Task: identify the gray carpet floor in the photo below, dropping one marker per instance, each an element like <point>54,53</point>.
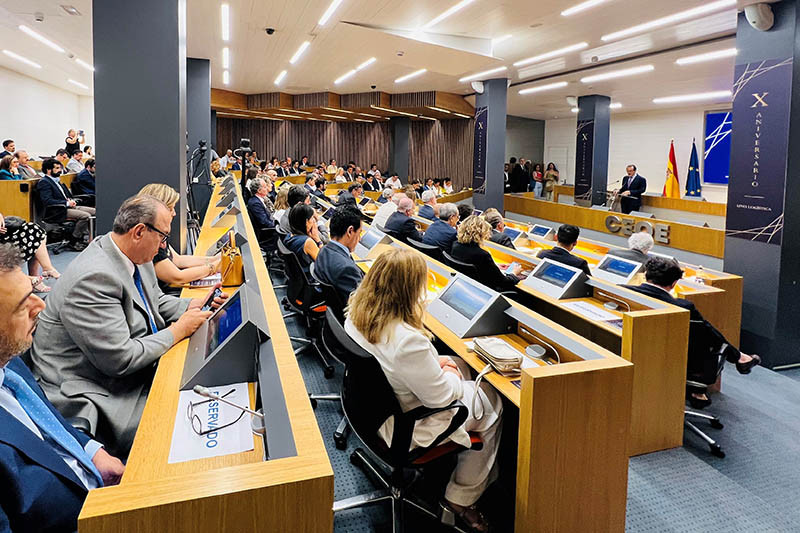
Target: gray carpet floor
<point>753,489</point>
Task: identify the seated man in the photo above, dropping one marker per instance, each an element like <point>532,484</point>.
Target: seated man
<point>52,192</point>
<point>9,147</point>
<point>385,196</point>
<point>257,204</point>
<point>706,343</point>
<point>567,238</point>
<point>428,210</point>
<point>357,190</point>
<point>495,220</point>
<point>24,168</point>
<point>639,245</point>
<point>400,224</point>
<point>47,465</point>
<point>388,208</point>
<point>442,232</point>
<point>74,164</point>
<point>107,323</point>
<point>62,156</point>
<point>84,181</point>
<point>334,264</point>
<point>319,187</point>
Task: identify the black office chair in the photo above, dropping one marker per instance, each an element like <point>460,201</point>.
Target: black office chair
<point>80,196</point>
<point>428,249</point>
<point>303,299</point>
<point>698,337</point>
<point>53,220</point>
<point>368,401</point>
<point>467,269</point>
<point>268,242</point>
<point>380,228</point>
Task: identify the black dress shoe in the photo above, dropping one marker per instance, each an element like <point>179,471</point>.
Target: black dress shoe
<point>698,403</point>
<point>745,368</point>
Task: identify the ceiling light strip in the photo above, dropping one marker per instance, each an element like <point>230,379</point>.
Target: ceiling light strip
<point>41,38</point>
<point>364,120</point>
<point>546,87</point>
<point>583,6</point>
<point>483,74</point>
<point>21,59</point>
<point>287,116</point>
<point>344,76</point>
<point>439,109</point>
<point>225,16</point>
<point>226,77</point>
<point>618,74</point>
<point>84,64</point>
<point>366,63</point>
<point>457,7</point>
<point>226,58</point>
<point>332,116</point>
<point>671,19</point>
<point>328,12</point>
<point>79,84</point>
<point>386,109</point>
<point>709,56</point>
<point>461,115</point>
<point>427,118</point>
<point>414,74</point>
<point>299,52</point>
<point>552,54</point>
<point>280,77</point>
<point>337,110</point>
<point>714,95</point>
<point>294,111</point>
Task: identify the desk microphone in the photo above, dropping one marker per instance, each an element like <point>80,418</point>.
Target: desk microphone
<point>204,391</point>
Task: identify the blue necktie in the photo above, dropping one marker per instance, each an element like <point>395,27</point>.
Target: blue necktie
<point>47,422</point>
<point>137,280</point>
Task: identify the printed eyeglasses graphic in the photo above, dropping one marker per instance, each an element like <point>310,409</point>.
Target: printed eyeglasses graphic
<point>197,424</point>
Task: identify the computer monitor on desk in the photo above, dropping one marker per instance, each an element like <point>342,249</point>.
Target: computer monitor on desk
<point>541,231</point>
<point>616,269</point>
<point>470,309</point>
<point>227,198</point>
<point>557,280</point>
<point>223,350</point>
<point>514,234</point>
<point>370,240</point>
<point>232,209</point>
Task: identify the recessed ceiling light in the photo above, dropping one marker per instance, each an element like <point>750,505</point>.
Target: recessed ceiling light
<point>439,109</point>
<point>42,39</point>
<point>427,118</point>
<point>287,116</point>
<point>554,53</point>
<point>462,4</point>
<point>294,111</point>
<point>270,118</point>
<point>317,119</point>
<point>366,63</point>
<point>615,105</point>
<point>414,74</point>
<point>547,87</point>
<point>71,10</point>
<point>18,57</point>
<point>280,77</point>
<point>226,57</point>
<point>618,73</point>
<point>364,120</point>
<point>582,7</point>
<point>575,109</point>
<point>337,110</point>
<point>499,40</point>
<point>368,115</point>
<point>329,12</point>
<point>226,77</point>
<point>714,95</point>
<point>483,74</point>
<point>84,64</point>
<point>332,116</point>
<point>344,76</point>
<point>461,115</point>
<point>225,15</point>
<point>299,52</point>
<point>670,19</point>
<point>79,84</point>
<point>719,54</point>
<point>379,108</point>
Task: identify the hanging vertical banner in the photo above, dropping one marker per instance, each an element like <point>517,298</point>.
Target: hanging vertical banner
<point>479,154</point>
<point>583,162</point>
<point>759,145</point>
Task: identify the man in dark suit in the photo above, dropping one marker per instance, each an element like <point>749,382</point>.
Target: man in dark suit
<point>633,187</point>
<point>400,224</point>
<point>334,264</point>
<point>517,180</point>
<point>370,184</point>
<point>54,193</point>
<point>256,205</point>
<point>84,181</point>
<point>283,170</point>
<point>639,245</point>
<point>706,343</point>
<point>47,465</point>
<point>428,210</point>
<point>311,183</point>
<point>567,237</point>
<point>442,232</point>
<point>495,220</point>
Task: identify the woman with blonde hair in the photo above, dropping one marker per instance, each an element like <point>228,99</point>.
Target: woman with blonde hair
<point>384,316</point>
<point>281,202</point>
<point>340,177</point>
<point>171,267</point>
<point>471,233</point>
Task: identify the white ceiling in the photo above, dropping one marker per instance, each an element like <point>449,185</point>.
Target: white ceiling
<point>358,30</point>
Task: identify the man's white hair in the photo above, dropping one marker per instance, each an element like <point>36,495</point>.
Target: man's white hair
<point>641,241</point>
<point>428,196</point>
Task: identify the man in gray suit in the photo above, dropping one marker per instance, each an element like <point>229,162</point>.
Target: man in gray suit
<point>106,325</point>
<point>334,264</point>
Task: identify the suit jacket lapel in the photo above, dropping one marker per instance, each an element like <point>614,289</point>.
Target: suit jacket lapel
<point>122,268</point>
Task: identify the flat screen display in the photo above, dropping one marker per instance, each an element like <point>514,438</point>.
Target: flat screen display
<point>555,274</point>
<point>370,239</point>
<point>465,298</point>
<point>364,201</point>
<point>540,231</point>
<point>477,212</point>
<point>511,232</point>
<point>618,267</point>
<point>224,322</point>
<point>328,214</point>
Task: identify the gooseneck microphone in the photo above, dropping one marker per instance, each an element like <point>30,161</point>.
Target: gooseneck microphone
<point>204,391</point>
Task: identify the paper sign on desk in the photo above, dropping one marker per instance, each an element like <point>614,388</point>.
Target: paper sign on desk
<point>187,445</point>
<point>208,281</point>
<point>591,311</point>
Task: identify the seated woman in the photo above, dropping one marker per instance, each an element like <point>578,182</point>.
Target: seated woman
<point>8,168</point>
<point>340,177</point>
<point>471,233</point>
<point>384,316</point>
<point>171,267</point>
<point>31,241</point>
<point>304,240</point>
<point>281,203</point>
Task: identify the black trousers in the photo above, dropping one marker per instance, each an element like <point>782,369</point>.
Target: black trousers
<point>706,346</point>
<point>629,203</point>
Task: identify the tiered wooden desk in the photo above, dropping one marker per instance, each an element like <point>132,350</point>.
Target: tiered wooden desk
<point>16,198</point>
<point>238,492</point>
<point>572,458</point>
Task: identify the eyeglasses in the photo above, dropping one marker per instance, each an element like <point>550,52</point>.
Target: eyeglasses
<point>197,424</point>
<point>165,236</point>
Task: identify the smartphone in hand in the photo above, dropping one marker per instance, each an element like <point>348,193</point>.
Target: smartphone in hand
<point>208,303</point>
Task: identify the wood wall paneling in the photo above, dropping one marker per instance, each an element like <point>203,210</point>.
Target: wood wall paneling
<point>419,99</point>
<point>442,149</point>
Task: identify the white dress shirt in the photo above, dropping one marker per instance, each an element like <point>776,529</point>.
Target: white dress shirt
<point>383,213</point>
<point>10,403</point>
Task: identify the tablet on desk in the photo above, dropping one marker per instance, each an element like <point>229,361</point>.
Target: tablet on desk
<point>541,231</point>
<point>616,269</point>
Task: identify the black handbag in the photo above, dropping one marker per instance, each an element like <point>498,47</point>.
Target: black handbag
<point>13,223</point>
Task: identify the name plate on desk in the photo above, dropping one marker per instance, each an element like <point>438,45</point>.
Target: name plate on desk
<point>232,209</point>
<point>557,280</point>
<point>470,309</point>
<point>616,269</point>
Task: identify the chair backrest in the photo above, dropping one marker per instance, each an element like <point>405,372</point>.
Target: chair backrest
<point>465,268</point>
<point>53,214</point>
<point>330,294</point>
<point>267,238</point>
<point>703,368</point>
<point>298,288</point>
<point>428,249</point>
<point>380,228</point>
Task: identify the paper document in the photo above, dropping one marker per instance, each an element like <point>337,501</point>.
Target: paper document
<point>209,414</point>
<point>208,281</point>
<point>591,311</point>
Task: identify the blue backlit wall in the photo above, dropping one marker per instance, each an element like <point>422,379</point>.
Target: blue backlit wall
<point>717,150</point>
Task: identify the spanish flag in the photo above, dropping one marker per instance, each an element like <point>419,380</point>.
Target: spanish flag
<point>672,187</point>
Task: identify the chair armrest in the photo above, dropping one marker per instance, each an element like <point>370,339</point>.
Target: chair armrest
<point>54,214</point>
<point>404,428</point>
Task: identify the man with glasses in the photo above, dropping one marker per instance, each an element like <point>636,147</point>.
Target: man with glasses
<point>106,325</point>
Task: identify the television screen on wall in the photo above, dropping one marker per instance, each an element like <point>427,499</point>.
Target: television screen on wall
<point>717,149</point>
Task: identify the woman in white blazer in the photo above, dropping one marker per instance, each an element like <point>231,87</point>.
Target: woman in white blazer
<point>385,318</point>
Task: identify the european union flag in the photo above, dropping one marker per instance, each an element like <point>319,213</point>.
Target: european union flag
<point>693,186</point>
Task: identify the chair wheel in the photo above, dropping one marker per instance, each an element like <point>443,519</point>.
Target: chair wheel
<point>341,443</point>
<point>329,371</point>
<point>716,424</point>
<point>313,403</point>
<point>717,450</point>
